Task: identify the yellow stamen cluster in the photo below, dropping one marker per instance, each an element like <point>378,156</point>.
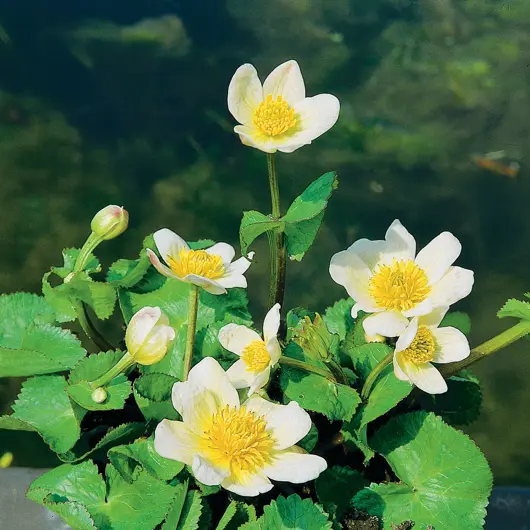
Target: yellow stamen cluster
<point>274,117</point>
<point>238,441</point>
<point>399,286</point>
<point>197,262</point>
<point>256,357</point>
<point>421,349</point>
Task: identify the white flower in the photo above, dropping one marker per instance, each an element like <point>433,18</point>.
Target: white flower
<point>148,335</point>
<point>239,447</point>
<point>388,279</point>
<point>212,269</point>
<point>423,342</point>
<point>277,115</point>
<point>258,355</point>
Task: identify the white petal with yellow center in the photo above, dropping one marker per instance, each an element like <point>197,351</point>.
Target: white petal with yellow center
<point>387,323</point>
<point>244,93</point>
<point>175,441</point>
<point>287,82</point>
<point>294,465</point>
<point>451,345</point>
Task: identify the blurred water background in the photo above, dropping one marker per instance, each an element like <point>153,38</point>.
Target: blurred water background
<point>125,102</point>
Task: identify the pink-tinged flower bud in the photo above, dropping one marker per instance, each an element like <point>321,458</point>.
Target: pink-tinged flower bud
<point>148,336</point>
<point>110,222</point>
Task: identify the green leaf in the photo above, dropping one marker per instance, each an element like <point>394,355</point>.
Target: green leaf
<point>309,441</point>
<point>336,487</point>
<point>124,433</point>
<point>338,318</point>
<point>42,349</point>
<point>73,514</point>
<point>127,459</point>
<point>293,513</point>
<point>44,404</point>
<point>89,369</point>
<point>17,312</point>
<point>191,512</point>
<point>175,510</point>
<point>445,479</point>
<point>10,423</point>
<point>515,308</point>
<point>253,225</point>
<point>457,320</point>
<point>462,402</point>
<point>64,309</point>
<point>316,393</point>
<point>386,393</point>
<point>119,505</point>
<point>126,273</point>
<point>152,393</point>
<point>304,216</point>
<point>244,513</point>
<point>69,258</point>
<point>229,514</point>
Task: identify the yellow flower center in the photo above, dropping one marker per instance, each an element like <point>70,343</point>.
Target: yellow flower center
<point>421,349</point>
<point>274,117</point>
<point>237,440</point>
<point>197,262</point>
<point>256,356</point>
<point>399,286</point>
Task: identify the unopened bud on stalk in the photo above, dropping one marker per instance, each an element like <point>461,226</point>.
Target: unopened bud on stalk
<point>110,222</point>
<point>99,395</point>
<point>315,339</point>
<point>148,336</point>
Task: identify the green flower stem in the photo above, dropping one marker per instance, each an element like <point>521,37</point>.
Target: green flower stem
<point>302,365</point>
<point>374,374</point>
<point>487,348</point>
<point>90,330</point>
<point>193,307</point>
<point>90,245</point>
<point>277,241</point>
<point>123,364</point>
<point>337,371</point>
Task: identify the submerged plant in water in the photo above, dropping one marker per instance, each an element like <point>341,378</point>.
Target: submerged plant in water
<point>195,415</point>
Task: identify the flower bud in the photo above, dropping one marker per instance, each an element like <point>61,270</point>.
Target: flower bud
<point>315,339</point>
<point>99,395</point>
<point>110,222</point>
<point>148,336</point>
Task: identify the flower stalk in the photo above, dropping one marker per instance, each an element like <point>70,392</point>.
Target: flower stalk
<point>487,348</point>
<point>193,306</point>
<point>302,365</point>
<point>278,250</point>
<point>121,366</point>
<point>374,374</point>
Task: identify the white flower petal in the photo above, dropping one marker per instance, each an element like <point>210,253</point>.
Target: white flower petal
<point>401,245</point>
<point>260,380</point>
<point>139,327</point>
<point>314,116</point>
<point>454,286</point>
<point>244,93</point>
<point>160,267</point>
<point>210,286</point>
<point>436,258</point>
<point>287,424</point>
<point>350,271</point>
<point>271,323</point>
<point>241,265</point>
<point>251,487</point>
<point>425,376</point>
<point>398,372</point>
<point>274,349</point>
<point>253,137</point>
<point>235,338</point>
<point>225,251</point>
<point>286,81</point>
<point>406,338</point>
<point>370,252</point>
<point>207,389</point>
<point>295,467</point>
<point>451,345</point>
<point>175,441</point>
<point>230,280</point>
<point>433,319</point>
<point>423,308</point>
<point>239,376</point>
<point>168,243</point>
<point>387,323</point>
<point>206,472</point>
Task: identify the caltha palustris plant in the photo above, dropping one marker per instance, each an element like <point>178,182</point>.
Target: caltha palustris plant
<point>200,418</point>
